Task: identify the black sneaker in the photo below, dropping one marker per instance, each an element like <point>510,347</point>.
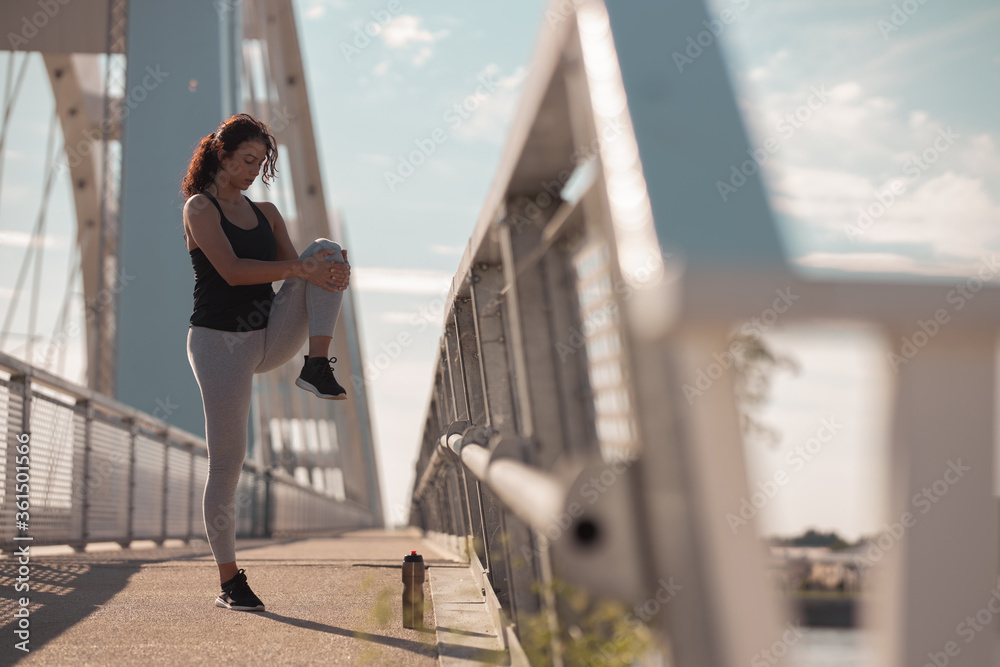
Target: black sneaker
<point>236,595</point>
<point>317,377</point>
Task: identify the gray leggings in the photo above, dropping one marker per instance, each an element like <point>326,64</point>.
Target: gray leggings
<point>224,363</point>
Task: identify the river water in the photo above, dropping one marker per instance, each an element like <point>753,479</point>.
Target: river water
<point>826,647</point>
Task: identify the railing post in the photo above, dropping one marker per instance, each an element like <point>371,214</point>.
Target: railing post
<point>487,320</point>
<point>552,414</point>
<point>513,557</point>
<point>940,565</point>
<point>85,486</point>
<point>460,381</point>
<point>472,374</point>
<point>269,503</point>
<point>460,403</point>
<point>192,503</point>
<point>166,489</point>
<point>133,431</point>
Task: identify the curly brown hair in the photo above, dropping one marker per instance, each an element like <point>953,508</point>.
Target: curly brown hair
<point>231,133</point>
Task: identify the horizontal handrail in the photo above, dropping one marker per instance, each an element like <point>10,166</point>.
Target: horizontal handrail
<point>20,368</point>
<point>116,473</point>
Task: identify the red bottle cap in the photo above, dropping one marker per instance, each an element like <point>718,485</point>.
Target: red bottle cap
<point>413,553</point>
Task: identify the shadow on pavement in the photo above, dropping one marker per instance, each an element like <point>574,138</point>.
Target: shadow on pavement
<point>72,586</point>
<point>428,648</point>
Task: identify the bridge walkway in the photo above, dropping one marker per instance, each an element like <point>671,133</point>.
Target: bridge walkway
<point>331,600</point>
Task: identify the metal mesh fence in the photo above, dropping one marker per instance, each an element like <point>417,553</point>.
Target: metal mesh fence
<point>178,495</point>
<point>97,470</point>
<point>108,480</point>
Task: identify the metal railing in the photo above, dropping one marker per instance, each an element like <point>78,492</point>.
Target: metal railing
<point>97,470</point>
<point>570,437</point>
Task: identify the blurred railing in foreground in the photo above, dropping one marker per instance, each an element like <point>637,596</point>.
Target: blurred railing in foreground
<point>98,470</point>
<point>582,443</point>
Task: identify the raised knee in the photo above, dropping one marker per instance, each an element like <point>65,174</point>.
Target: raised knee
<point>329,245</point>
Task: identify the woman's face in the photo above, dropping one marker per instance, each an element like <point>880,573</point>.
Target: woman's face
<point>243,165</point>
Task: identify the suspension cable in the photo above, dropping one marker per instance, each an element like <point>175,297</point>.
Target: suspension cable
<point>9,99</point>
<point>43,209</point>
<point>31,249</point>
<point>59,328</point>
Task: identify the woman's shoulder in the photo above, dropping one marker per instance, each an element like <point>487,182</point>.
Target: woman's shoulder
<point>266,207</point>
<point>269,210</point>
<point>198,202</point>
<point>200,209</point>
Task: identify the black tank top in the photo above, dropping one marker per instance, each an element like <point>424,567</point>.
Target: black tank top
<point>219,305</point>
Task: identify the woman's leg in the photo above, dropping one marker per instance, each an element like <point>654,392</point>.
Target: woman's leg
<point>301,310</point>
<point>223,364</point>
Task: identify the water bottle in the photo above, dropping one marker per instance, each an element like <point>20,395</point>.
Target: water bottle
<point>413,591</point>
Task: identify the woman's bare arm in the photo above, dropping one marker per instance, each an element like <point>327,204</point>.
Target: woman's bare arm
<point>285,248</point>
<point>202,222</point>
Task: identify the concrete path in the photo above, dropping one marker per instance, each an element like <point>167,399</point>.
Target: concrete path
<point>330,601</point>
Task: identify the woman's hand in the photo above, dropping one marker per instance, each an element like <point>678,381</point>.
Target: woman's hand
<point>332,276</point>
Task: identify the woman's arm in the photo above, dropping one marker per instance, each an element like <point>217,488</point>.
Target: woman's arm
<point>203,224</point>
<point>285,248</point>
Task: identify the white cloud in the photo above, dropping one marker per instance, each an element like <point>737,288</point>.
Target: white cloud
<point>491,115</point>
<point>863,262</point>
<point>846,156</point>
<point>951,213</point>
<point>423,55</point>
<point>15,239</point>
<point>439,249</point>
<point>766,71</point>
<point>405,29</point>
<point>374,158</point>
<point>400,281</point>
<point>317,8</point>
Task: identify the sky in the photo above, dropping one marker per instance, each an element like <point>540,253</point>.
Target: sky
<point>873,86</point>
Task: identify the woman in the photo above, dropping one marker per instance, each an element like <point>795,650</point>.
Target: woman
<point>240,327</point>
